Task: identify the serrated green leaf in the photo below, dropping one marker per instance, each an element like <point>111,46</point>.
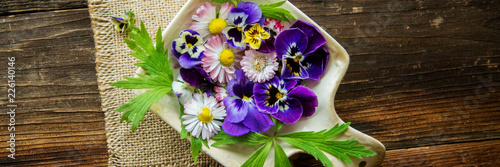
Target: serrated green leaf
<point>205,143</point>
<point>258,158</point>
<point>247,139</point>
<point>157,79</point>
<point>272,11</point>
<point>320,135</point>
<point>184,132</point>
<point>196,147</point>
<point>280,158</point>
<point>235,2</point>
<point>316,142</point>
<point>310,148</point>
<point>136,108</point>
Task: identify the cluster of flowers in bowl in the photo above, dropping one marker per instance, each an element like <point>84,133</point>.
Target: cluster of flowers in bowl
<point>239,70</point>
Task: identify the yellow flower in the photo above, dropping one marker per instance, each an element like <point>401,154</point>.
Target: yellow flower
<point>255,35</point>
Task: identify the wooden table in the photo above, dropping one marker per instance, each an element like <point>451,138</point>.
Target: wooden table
<point>423,79</point>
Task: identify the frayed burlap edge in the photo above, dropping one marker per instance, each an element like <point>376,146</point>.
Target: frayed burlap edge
<point>154,143</point>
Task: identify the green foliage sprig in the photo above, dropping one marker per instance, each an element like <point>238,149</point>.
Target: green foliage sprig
<point>268,10</point>
<point>157,79</point>
<point>235,2</point>
<point>314,143</point>
<point>272,11</point>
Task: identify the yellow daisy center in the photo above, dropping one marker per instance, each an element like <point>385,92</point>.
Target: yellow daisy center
<point>226,57</point>
<point>259,63</point>
<point>216,26</point>
<point>206,115</point>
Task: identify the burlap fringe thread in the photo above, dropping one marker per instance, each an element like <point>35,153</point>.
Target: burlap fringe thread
<point>154,143</point>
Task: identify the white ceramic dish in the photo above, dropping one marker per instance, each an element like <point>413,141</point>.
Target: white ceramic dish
<point>324,118</point>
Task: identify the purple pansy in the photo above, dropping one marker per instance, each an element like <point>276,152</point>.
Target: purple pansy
<point>188,49</point>
<point>238,18</point>
<point>285,100</point>
<point>302,51</point>
<point>242,114</point>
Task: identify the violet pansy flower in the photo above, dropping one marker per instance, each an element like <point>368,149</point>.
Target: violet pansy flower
<point>188,48</point>
<point>123,23</point>
<point>244,14</point>
<point>302,51</point>
<point>242,114</point>
<point>285,100</point>
<point>274,27</point>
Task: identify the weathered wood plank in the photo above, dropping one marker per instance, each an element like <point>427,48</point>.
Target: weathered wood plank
<point>24,6</point>
<point>481,153</point>
<point>421,72</point>
<point>58,118</point>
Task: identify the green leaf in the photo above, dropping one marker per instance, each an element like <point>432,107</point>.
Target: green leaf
<point>320,135</point>
<point>315,143</point>
<point>205,143</point>
<point>309,147</point>
<point>280,158</point>
<point>195,148</point>
<point>272,11</point>
<point>278,124</point>
<point>184,132</point>
<point>258,158</point>
<point>235,2</point>
<point>247,139</point>
<point>157,79</point>
<point>136,108</point>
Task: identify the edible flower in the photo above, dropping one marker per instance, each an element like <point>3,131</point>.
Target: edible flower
<point>302,51</point>
<point>220,60</point>
<point>123,23</point>
<point>203,116</point>
<point>246,13</point>
<point>183,90</point>
<point>255,35</point>
<point>259,67</point>
<point>273,27</point>
<point>285,100</point>
<point>207,22</point>
<point>242,114</point>
<point>188,48</point>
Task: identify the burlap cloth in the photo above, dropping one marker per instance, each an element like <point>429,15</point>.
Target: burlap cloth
<point>153,143</point>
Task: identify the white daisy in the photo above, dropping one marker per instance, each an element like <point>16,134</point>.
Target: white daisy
<point>183,90</point>
<point>203,116</point>
<point>259,67</point>
<point>220,60</point>
<point>206,20</point>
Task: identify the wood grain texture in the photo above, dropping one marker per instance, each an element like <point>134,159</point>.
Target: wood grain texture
<point>26,6</point>
<point>481,153</point>
<point>423,79</point>
<point>421,73</point>
<point>58,119</point>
